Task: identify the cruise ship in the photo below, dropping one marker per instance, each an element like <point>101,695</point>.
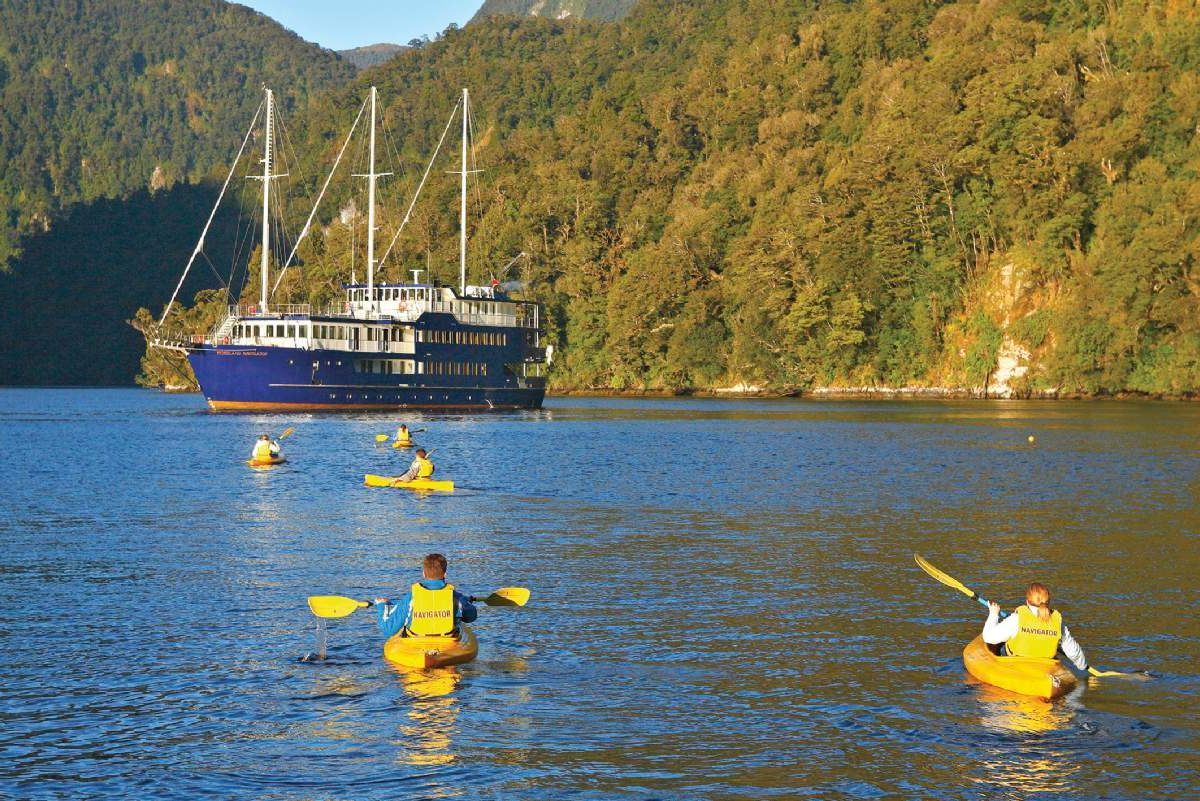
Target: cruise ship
<point>382,345</point>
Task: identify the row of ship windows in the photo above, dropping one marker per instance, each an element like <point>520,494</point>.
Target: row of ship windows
<point>392,293</point>
<point>270,330</point>
<point>463,337</point>
<point>393,366</point>
<point>382,334</point>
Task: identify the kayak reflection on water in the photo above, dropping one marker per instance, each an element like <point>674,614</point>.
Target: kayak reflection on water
<point>1005,711</point>
<point>1024,765</point>
<point>425,739</point>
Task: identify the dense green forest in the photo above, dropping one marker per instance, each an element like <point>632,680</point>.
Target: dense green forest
<point>104,98</point>
<point>787,195</point>
<point>790,195</point>
<point>556,9</point>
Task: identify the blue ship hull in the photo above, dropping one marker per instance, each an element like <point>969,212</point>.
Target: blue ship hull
<point>257,378</point>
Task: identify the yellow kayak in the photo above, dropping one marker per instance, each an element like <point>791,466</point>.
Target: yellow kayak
<point>402,443</point>
<point>274,460</point>
<point>1027,675</point>
<point>415,484</point>
<point>431,652</point>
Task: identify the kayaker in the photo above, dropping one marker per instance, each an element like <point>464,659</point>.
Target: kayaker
<point>432,607</point>
<point>265,449</point>
<point>1033,629</point>
<point>421,467</point>
<point>402,435</point>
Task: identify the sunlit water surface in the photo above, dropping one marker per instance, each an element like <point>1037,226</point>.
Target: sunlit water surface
<point>724,601</point>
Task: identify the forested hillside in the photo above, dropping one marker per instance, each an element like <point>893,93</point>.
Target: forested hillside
<point>104,98</point>
<point>864,194</point>
<point>556,9</point>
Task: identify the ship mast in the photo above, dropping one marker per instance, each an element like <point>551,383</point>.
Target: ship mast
<point>371,177</point>
<point>462,222</point>
<point>371,211</point>
<point>266,198</point>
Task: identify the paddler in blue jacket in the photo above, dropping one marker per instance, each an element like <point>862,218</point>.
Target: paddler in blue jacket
<point>432,607</point>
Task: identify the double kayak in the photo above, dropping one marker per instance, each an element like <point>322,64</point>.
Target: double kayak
<point>431,652</point>
<point>402,443</point>
<point>274,460</point>
<point>415,484</point>
<point>1027,675</point>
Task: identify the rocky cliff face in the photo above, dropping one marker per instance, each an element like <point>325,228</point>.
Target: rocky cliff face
<point>370,55</point>
<point>607,10</point>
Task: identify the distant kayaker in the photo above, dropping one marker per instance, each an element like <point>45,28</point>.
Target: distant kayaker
<point>265,449</point>
<point>402,435</point>
<point>421,467</point>
<point>431,608</point>
<point>1034,629</point>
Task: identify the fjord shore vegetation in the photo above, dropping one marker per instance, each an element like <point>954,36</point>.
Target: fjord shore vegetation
<point>788,196</point>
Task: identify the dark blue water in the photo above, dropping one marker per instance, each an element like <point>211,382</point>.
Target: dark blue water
<point>724,603</point>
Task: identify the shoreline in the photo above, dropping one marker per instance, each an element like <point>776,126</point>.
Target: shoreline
<point>862,393</point>
<point>816,393</point>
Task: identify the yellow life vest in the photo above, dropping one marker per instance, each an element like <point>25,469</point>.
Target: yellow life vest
<point>424,468</point>
<point>262,451</point>
<point>432,611</point>
<point>403,436</point>
<point>1036,637</point>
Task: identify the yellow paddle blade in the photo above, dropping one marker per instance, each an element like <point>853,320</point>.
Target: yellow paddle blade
<point>949,581</point>
<point>287,432</point>
<point>1140,675</point>
<point>507,596</point>
<point>333,605</point>
<point>381,437</point>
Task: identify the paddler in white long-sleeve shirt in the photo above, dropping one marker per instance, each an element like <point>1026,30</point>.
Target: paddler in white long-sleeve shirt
<point>1033,629</point>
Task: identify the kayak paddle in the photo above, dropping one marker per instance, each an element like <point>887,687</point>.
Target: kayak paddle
<point>506,596</point>
<point>287,432</point>
<point>333,606</point>
<point>386,437</point>
<point>950,581</point>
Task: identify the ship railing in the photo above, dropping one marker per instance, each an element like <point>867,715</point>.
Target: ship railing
<point>284,310</point>
<point>175,338</point>
<point>526,315</point>
<point>411,310</point>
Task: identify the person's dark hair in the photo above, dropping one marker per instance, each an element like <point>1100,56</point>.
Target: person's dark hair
<point>434,563</point>
<point>421,452</point>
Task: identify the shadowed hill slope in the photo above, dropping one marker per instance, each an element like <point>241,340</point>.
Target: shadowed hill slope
<point>106,99</point>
